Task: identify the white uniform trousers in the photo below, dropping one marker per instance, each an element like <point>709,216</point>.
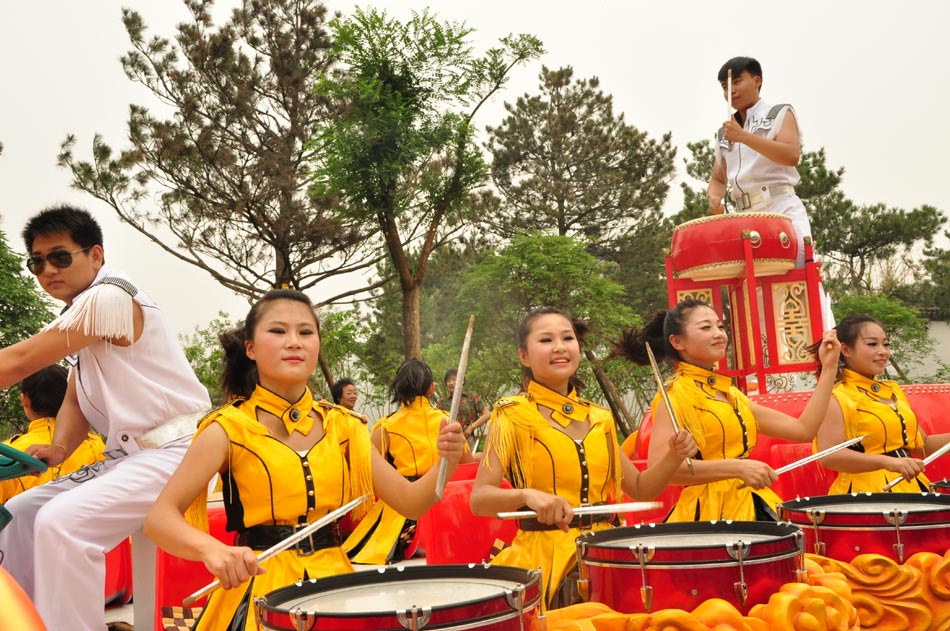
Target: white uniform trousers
<point>55,544</point>
<point>793,208</point>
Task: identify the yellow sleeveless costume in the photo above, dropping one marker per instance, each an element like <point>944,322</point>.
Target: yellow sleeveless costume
<point>268,483</point>
<point>887,429</point>
<point>408,438</point>
<point>534,454</point>
<point>722,430</point>
<point>40,432</point>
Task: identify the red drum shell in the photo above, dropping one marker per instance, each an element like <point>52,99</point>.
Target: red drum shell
<point>940,486</point>
<point>710,248</point>
<point>690,563</point>
<point>859,523</point>
<point>488,597</point>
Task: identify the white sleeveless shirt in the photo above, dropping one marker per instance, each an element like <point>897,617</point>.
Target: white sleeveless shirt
<point>125,391</point>
<point>747,170</point>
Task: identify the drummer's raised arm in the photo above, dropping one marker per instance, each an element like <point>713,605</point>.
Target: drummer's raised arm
<point>717,187</point>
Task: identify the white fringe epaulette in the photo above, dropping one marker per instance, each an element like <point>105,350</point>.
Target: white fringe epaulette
<point>104,310</point>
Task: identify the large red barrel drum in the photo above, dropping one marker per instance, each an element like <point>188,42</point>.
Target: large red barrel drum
<point>711,248</point>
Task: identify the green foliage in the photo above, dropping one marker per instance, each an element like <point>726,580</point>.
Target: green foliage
<point>227,173</point>
<point>930,291</point>
<point>24,309</point>
<point>533,271</point>
<point>341,335</point>
<point>564,163</point>
<point>401,155</point>
<point>205,354</point>
<point>911,344</point>
<point>437,296</point>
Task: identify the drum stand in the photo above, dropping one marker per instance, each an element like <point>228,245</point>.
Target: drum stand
<point>790,314</point>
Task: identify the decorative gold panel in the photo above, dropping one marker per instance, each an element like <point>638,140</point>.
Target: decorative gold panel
<point>699,294</point>
<point>792,322</point>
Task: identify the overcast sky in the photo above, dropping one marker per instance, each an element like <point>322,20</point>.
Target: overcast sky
<point>870,82</point>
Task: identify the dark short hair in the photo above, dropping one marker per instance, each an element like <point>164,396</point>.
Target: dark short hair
<point>336,392</point>
<point>413,379</point>
<point>451,372</point>
<point>738,65</point>
<point>76,222</point>
<point>46,389</point>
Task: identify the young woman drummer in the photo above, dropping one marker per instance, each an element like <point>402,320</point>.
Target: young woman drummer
<point>558,451</point>
<point>407,440</point>
<point>727,484</point>
<point>284,459</point>
<point>865,404</point>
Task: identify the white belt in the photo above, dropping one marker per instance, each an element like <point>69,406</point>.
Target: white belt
<point>763,196</point>
<point>174,430</point>
<point>179,427</point>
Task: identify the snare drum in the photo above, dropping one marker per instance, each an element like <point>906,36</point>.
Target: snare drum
<point>711,248</point>
<point>445,597</point>
<point>895,525</point>
<point>680,565</point>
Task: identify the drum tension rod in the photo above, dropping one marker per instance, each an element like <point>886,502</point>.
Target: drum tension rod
<point>302,620</point>
<point>801,574</point>
<point>738,550</point>
<point>644,554</point>
<point>583,575</point>
<point>897,517</point>
<point>816,517</point>
<point>417,619</point>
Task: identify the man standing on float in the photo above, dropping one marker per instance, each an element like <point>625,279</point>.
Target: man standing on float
<point>758,151</point>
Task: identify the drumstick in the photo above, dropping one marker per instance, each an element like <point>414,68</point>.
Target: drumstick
<point>666,400</point>
<point>456,400</point>
<point>283,545</point>
<point>818,456</point>
<point>927,461</point>
<point>598,509</point>
<point>813,457</point>
<point>729,93</point>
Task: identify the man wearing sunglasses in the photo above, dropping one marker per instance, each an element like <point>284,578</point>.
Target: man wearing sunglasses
<point>129,380</point>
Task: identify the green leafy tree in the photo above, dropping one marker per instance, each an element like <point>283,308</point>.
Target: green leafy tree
<point>930,292</point>
<point>203,351</point>
<point>401,156</point>
<point>437,296</point>
<point>226,173</point>
<point>565,163</point>
<point>24,310</point>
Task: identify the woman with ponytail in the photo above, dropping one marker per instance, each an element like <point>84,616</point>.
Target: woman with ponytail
<point>407,439</point>
<point>725,423</point>
<point>866,405</point>
<point>558,451</point>
<point>285,459</point>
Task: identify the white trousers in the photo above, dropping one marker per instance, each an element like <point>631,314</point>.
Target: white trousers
<point>793,208</point>
<point>56,543</point>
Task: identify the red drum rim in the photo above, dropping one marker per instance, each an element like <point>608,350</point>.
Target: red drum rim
<point>764,542</point>
<point>728,216</point>
<point>523,596</point>
<point>841,508</point>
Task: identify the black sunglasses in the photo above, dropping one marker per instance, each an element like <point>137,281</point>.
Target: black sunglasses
<point>60,259</point>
